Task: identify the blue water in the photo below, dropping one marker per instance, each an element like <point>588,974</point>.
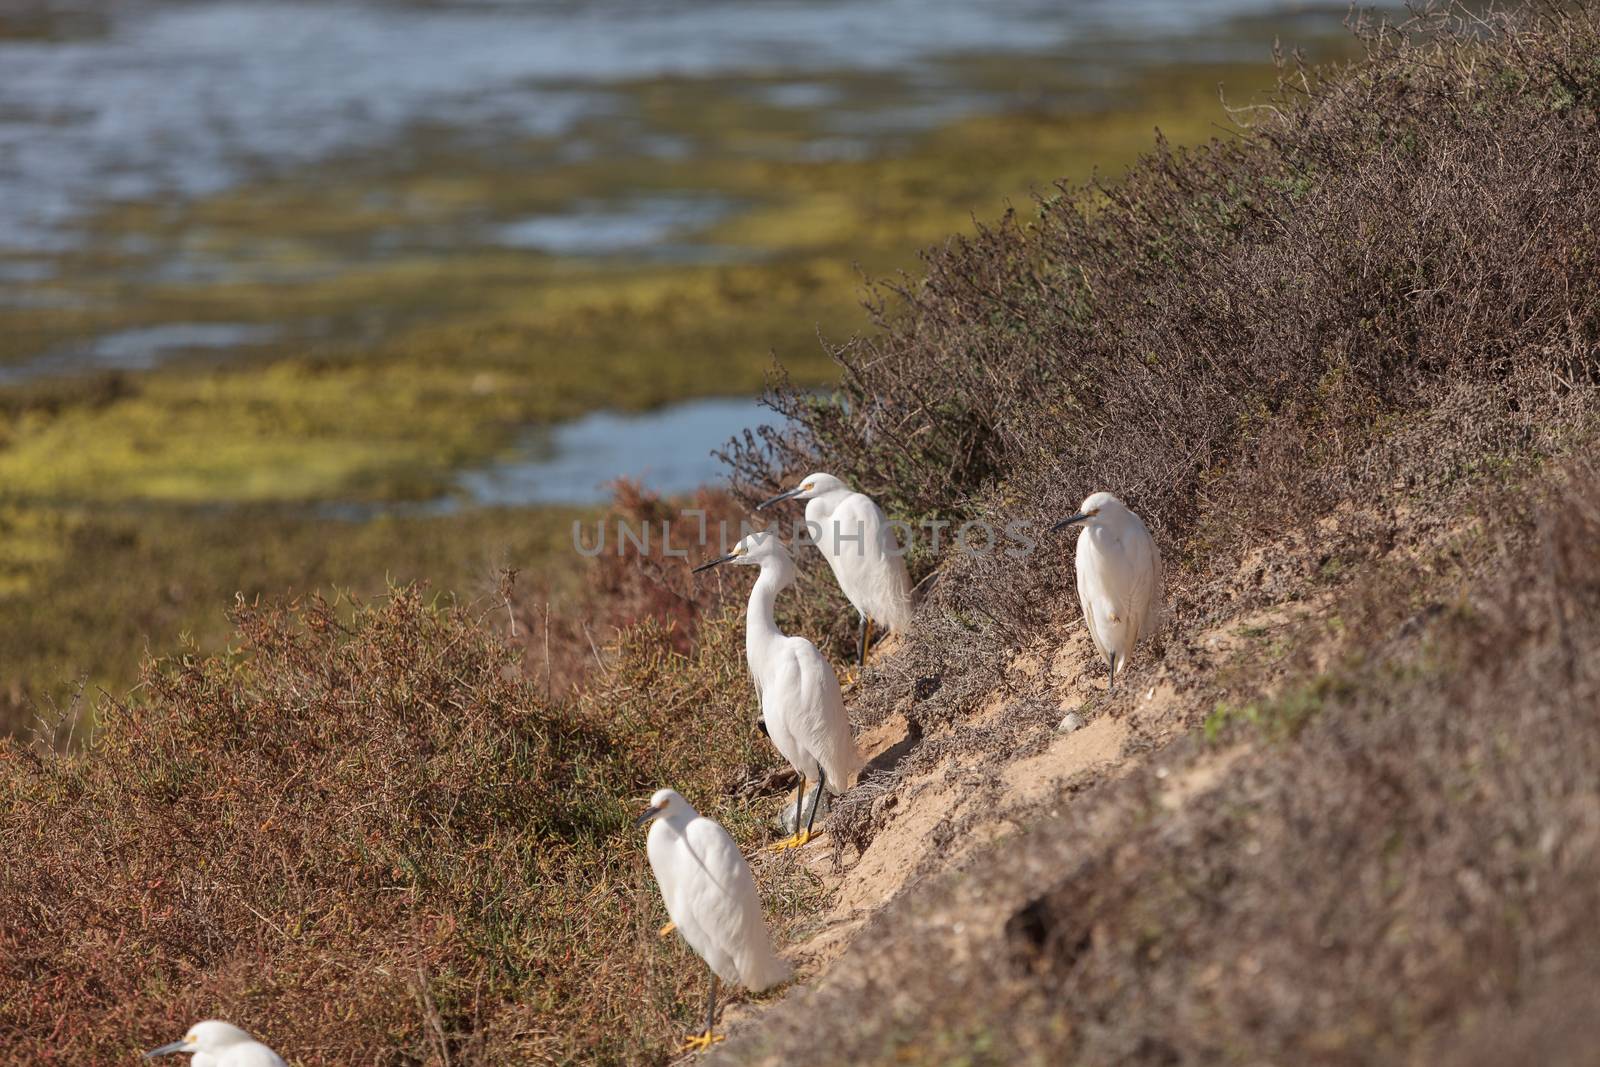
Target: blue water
<point>667,450</point>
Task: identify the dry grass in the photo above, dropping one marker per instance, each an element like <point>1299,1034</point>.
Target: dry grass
<point>368,835</point>
<point>393,832</point>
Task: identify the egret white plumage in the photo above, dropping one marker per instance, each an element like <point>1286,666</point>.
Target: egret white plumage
<point>1119,577</point>
<point>801,704</point>
<point>855,539</point>
<point>711,898</point>
<point>220,1044</point>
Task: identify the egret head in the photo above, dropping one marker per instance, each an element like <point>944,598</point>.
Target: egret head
<point>753,551</point>
<point>810,487</point>
<point>1097,507</point>
<point>210,1036</point>
<point>663,802</point>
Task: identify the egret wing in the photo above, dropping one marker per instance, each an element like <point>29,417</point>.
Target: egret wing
<point>1144,601</point>
<point>820,723</point>
<point>867,561</point>
<point>781,700</point>
<point>1090,591</point>
<point>1144,591</point>
<point>722,895</point>
<point>721,871</point>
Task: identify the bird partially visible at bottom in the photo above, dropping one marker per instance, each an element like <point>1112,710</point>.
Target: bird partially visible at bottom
<point>712,901</point>
<point>219,1044</point>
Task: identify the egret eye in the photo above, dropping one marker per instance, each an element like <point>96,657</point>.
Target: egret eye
<point>807,487</point>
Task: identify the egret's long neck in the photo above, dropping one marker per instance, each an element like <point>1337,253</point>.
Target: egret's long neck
<point>760,626</point>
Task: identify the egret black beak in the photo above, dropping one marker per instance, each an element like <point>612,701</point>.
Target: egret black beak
<point>1079,517</point>
<point>644,816</point>
<point>167,1050</point>
<point>781,497</point>
<point>712,563</point>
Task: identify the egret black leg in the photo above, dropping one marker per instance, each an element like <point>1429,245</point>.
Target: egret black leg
<point>861,637</point>
<point>822,783</point>
<point>1111,676</point>
<point>707,1037</point>
<point>794,840</point>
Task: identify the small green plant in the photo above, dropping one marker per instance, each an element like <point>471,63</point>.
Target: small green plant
<point>1277,718</point>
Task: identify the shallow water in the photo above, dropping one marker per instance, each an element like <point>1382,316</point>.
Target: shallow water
<point>149,99</point>
<point>139,349</point>
<point>635,225</point>
<point>156,157</point>
<point>667,450</point>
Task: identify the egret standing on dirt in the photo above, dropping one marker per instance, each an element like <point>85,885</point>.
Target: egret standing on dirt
<point>800,700</point>
<point>711,898</point>
<point>855,539</point>
<point>219,1044</point>
<point>1119,577</point>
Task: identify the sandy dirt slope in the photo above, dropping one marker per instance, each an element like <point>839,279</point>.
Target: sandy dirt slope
<point>970,794</point>
<point>948,800</point>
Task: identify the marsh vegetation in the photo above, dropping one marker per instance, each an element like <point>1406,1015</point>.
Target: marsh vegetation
<point>194,388</point>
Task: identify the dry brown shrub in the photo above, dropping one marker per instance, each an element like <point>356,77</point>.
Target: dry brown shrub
<point>1373,312</point>
<point>367,836</point>
<point>1402,867</point>
<point>1382,291</point>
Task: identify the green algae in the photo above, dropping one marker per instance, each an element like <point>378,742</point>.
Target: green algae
<point>476,345</point>
<point>109,484</point>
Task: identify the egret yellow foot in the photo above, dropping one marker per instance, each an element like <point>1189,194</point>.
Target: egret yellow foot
<point>849,676</point>
<point>701,1042</point>
<point>666,931</point>
<point>797,841</point>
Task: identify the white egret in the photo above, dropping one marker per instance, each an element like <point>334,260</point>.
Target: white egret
<point>855,539</point>
<point>219,1044</point>
<point>1119,577</point>
<point>711,898</point>
<point>801,704</point>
